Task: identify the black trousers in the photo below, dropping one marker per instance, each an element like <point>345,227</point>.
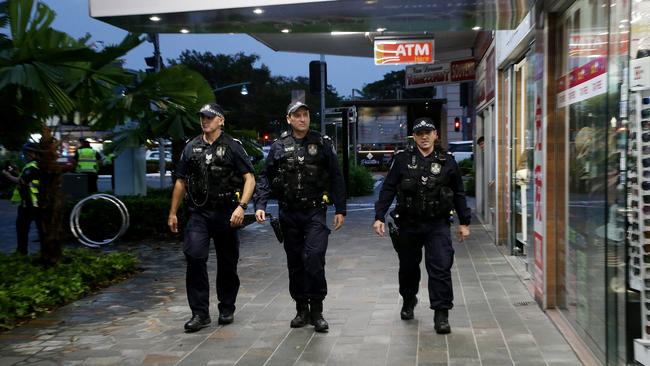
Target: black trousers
<point>435,237</point>
<point>305,242</point>
<point>202,226</point>
<point>25,217</point>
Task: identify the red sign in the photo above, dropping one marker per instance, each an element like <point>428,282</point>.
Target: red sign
<point>463,70</point>
<point>403,52</point>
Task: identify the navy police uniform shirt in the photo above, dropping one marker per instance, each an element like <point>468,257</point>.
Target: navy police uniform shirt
<point>399,170</point>
<point>234,156</point>
<point>337,184</point>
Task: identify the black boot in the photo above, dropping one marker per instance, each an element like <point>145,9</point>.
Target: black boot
<point>407,308</point>
<point>302,314</point>
<point>316,312</point>
<point>441,321</point>
<point>196,323</point>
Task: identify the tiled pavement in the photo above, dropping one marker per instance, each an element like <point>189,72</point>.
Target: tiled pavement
<point>139,321</point>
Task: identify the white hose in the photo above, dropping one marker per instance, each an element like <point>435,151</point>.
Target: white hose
<point>76,212</point>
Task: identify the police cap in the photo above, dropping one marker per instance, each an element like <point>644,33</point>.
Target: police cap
<point>423,124</point>
<point>211,110</point>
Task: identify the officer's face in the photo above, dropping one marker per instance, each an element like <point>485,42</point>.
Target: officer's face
<point>211,124</point>
<point>299,120</point>
<point>425,138</point>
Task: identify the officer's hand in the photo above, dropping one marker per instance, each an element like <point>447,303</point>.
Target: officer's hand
<point>379,227</point>
<point>260,215</point>
<point>172,222</point>
<point>237,217</point>
<point>463,232</point>
<point>339,219</point>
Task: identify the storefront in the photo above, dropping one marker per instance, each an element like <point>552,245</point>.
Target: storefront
<point>562,126</point>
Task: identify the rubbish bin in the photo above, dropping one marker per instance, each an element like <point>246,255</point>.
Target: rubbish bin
<point>75,185</point>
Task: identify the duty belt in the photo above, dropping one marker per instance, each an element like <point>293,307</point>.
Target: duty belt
<point>302,204</point>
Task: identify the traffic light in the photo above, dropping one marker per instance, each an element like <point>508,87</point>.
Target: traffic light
<point>457,124</point>
<point>151,62</point>
<point>314,76</point>
<point>266,137</point>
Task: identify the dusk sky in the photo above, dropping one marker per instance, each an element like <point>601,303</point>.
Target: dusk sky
<point>344,73</point>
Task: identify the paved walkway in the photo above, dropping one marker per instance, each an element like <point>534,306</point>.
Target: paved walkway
<point>140,321</point>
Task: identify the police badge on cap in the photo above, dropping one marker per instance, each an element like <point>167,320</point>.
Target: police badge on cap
<point>423,124</point>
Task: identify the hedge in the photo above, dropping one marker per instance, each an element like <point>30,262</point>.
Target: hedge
<point>28,289</point>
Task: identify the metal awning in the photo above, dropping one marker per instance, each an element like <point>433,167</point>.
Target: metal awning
<point>307,25</point>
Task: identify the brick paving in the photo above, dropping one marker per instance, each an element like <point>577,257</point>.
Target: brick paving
<point>140,321</point>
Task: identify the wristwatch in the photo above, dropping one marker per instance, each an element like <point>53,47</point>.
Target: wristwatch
<point>243,205</point>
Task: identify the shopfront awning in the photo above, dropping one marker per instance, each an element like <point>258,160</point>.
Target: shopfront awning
<point>319,26</point>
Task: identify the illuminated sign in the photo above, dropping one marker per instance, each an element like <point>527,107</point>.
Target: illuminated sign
<point>418,76</point>
<point>403,52</point>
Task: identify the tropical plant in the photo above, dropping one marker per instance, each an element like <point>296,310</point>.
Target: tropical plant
<point>46,73</point>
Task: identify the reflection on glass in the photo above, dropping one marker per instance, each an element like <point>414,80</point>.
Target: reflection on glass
<point>582,105</point>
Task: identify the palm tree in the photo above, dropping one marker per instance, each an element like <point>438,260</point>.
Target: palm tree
<point>45,73</point>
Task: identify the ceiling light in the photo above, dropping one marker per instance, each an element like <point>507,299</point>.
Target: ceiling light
<point>258,11</point>
<point>381,29</point>
<point>285,30</point>
<point>244,90</point>
<point>155,18</point>
<point>185,31</point>
<point>335,33</point>
<point>476,28</point>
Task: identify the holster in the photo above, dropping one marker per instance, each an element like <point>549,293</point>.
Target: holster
<point>277,229</point>
<point>393,231</point>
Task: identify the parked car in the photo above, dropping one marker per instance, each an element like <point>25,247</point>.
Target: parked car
<point>154,155</point>
<point>461,150</point>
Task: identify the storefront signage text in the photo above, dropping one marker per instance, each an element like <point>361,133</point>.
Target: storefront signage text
<point>403,52</point>
<point>418,76</point>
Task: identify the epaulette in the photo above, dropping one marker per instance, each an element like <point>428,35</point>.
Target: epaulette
<point>284,134</point>
<point>238,140</point>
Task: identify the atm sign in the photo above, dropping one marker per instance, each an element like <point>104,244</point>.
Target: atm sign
<point>403,52</point>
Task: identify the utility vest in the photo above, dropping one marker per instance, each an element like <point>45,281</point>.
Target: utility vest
<point>32,188</point>
<point>302,180</point>
<point>213,181</point>
<point>424,193</point>
<point>87,162</point>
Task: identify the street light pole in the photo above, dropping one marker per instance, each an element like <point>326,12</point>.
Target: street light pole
<point>244,90</point>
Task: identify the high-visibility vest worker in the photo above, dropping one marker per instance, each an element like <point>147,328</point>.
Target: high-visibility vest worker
<point>33,186</point>
<point>87,162</point>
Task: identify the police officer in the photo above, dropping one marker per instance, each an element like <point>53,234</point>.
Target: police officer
<point>428,185</point>
<point>302,171</point>
<point>216,173</point>
<point>26,195</point>
<point>87,161</point>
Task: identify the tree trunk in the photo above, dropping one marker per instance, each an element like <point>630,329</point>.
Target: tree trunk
<point>50,200</point>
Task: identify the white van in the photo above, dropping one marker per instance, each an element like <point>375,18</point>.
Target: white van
<point>461,150</point>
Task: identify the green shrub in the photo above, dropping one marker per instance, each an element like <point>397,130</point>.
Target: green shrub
<point>27,288</point>
<point>360,181</point>
<point>466,166</point>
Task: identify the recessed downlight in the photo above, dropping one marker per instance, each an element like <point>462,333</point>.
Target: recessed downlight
<point>476,28</point>
<point>286,30</point>
<point>381,29</point>
<point>185,31</point>
<point>155,18</point>
<point>258,11</point>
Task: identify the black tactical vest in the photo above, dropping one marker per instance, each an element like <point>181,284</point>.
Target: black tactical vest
<point>425,193</point>
<point>213,180</point>
<point>302,177</point>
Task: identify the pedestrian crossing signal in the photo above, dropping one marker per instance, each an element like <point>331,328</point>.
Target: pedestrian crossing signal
<point>457,124</point>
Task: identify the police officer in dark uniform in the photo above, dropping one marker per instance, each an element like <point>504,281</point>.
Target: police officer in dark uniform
<point>428,185</point>
<point>302,171</point>
<point>216,173</point>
